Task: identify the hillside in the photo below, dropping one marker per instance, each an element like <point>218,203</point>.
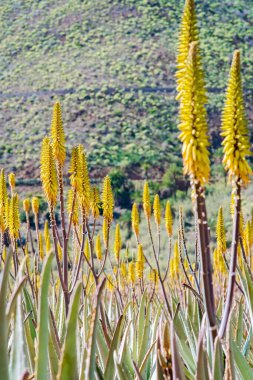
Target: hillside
<point>111,63</point>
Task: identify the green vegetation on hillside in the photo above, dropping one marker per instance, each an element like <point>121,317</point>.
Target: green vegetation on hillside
<point>111,64</point>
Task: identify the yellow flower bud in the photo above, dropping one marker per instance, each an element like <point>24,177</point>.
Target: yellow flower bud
<point>117,242</point>
<point>87,249</point>
<point>84,190</point>
<point>58,136</point>
<point>157,210</point>
<point>41,247</point>
<point>131,272</point>
<point>48,172</point>
<point>98,248</point>
<point>135,220</point>
<point>35,205</point>
<point>95,200</point>
<point>12,181</point>
<point>146,200</point>
<point>14,220</point>
<point>107,199</point>
<point>26,205</point>
<point>168,219</point>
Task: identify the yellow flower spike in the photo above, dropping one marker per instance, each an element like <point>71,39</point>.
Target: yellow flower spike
<point>157,210</point>
<point>105,232</point>
<point>171,268</point>
<point>94,202</point>
<point>26,205</point>
<point>57,135</point>
<point>153,276</point>
<point>35,205</point>
<point>70,209</point>
<point>235,133</point>
<point>28,261</point>
<point>251,232</point>
<point>123,270</point>
<point>135,220</point>
<point>216,261</point>
<point>186,265</point>
<point>107,199</point>
<point>41,247</point>
<point>48,172</point>
<point>131,272</point>
<point>168,219</point>
<point>87,249</point>
<point>117,242</point>
<point>109,283</point>
<point>47,236</point>
<point>3,202</point>
<point>12,181</point>
<point>38,281</point>
<point>193,121</point>
<point>221,233</point>
<point>84,191</point>
<point>146,200</point>
<point>187,34</point>
<point>75,169</point>
<point>232,203</point>
<point>140,262</point>
<point>98,248</point>
<point>14,220</point>
<point>247,238</point>
<point>59,251</point>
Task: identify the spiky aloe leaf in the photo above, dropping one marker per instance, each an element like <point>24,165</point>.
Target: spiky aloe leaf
<point>124,354</point>
<point>31,312</point>
<point>177,365</point>
<point>183,346</point>
<point>229,367</point>
<point>202,360</point>
<point>54,347</point>
<point>218,368</point>
<point>244,370</point>
<point>41,362</point>
<point>110,367</point>
<point>239,326</point>
<point>143,344</point>
<point>29,345</point>
<point>102,346</point>
<point>68,365</point>
<point>146,357</point>
<point>4,374</point>
<point>14,296</point>
<point>159,370</point>
<point>248,289</point>
<point>122,373</point>
<point>18,363</point>
<point>89,362</point>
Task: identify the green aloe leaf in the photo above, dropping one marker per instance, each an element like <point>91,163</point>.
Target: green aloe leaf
<point>89,359</point>
<point>177,365</point>
<point>218,368</point>
<point>68,369</point>
<point>18,363</point>
<point>4,374</point>
<point>110,367</point>
<point>244,370</point>
<point>41,362</point>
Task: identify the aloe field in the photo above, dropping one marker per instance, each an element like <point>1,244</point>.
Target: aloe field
<point>90,292</point>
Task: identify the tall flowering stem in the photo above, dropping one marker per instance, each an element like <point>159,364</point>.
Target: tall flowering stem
<point>187,34</point>
<point>193,127</point>
<point>59,153</point>
<point>236,146</point>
